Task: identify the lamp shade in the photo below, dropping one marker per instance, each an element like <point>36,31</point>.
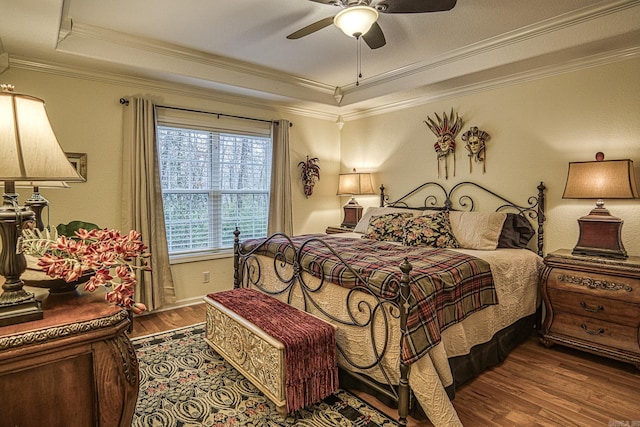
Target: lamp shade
<point>606,179</point>
<point>29,150</point>
<point>356,20</point>
<point>41,184</point>
<point>351,184</point>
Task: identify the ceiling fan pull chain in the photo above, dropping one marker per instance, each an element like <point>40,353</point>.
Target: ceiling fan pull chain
<point>358,60</point>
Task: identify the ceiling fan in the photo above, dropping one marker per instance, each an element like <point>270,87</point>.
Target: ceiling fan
<point>358,18</point>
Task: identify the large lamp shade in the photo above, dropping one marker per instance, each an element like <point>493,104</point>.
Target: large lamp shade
<point>355,184</point>
<point>606,179</point>
<point>29,150</point>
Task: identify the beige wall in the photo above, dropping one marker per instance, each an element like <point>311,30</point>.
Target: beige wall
<point>87,117</point>
<point>536,128</point>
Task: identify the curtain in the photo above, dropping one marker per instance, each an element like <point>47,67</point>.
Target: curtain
<point>280,212</point>
<point>142,201</point>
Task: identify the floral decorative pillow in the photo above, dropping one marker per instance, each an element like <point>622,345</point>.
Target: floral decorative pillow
<point>388,227</point>
<point>372,211</point>
<point>432,229</point>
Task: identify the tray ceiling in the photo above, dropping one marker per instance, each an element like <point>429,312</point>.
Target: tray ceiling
<point>240,47</point>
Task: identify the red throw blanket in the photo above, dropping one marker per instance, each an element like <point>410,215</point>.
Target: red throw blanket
<point>446,286</point>
<point>310,344</point>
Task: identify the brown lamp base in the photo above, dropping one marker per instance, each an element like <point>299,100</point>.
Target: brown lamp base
<point>14,312</point>
<point>16,304</point>
<point>600,235</point>
<point>352,214</point>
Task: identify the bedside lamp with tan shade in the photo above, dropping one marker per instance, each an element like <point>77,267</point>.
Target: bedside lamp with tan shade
<point>29,151</point>
<point>37,203</point>
<point>601,232</point>
<point>353,184</point>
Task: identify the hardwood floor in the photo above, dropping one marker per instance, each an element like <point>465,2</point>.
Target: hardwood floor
<point>534,386</point>
<point>167,320</point>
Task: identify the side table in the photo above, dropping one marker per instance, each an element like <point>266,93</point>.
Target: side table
<point>592,304</point>
<point>75,367</point>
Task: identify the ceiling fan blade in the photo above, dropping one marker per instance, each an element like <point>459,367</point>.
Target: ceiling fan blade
<point>413,6</point>
<point>374,37</point>
<point>312,28</point>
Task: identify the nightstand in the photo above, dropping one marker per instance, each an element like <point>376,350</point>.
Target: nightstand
<point>335,230</point>
<point>592,304</point>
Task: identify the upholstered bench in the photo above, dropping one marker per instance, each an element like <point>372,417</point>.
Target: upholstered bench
<point>286,353</point>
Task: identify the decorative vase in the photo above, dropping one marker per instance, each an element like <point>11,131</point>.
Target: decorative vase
<point>38,279</point>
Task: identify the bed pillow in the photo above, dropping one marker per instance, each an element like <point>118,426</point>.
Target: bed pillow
<point>517,232</point>
<point>363,224</point>
<point>388,227</point>
<point>431,229</point>
<point>477,230</point>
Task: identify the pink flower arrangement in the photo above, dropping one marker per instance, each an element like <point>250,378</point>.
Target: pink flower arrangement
<point>110,257</point>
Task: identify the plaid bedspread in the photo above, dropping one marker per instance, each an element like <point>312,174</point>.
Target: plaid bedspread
<point>446,286</point>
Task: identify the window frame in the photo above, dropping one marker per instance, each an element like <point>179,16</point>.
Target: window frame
<point>208,122</point>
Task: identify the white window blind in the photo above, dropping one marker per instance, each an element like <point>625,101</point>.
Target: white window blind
<point>215,175</point>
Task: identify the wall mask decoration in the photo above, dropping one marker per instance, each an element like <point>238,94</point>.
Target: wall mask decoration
<point>310,174</point>
<point>445,129</point>
<point>476,141</point>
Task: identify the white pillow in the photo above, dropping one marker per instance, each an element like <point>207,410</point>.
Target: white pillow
<point>477,230</point>
<point>372,211</point>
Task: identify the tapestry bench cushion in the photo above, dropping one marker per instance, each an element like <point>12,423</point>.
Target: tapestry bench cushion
<point>288,354</point>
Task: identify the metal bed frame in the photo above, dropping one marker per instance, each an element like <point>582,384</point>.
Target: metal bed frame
<point>247,273</point>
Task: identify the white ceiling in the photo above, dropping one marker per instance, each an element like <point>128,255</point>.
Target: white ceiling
<point>240,46</point>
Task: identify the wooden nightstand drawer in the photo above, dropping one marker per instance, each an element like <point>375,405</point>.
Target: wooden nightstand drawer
<point>596,331</point>
<point>592,304</point>
<point>599,285</point>
<point>585,304</point>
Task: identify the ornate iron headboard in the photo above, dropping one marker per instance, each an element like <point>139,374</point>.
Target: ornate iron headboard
<point>435,196</point>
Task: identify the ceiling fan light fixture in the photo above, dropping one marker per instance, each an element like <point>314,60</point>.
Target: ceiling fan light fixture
<point>356,20</point>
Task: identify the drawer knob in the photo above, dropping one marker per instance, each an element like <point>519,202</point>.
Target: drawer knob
<point>589,309</point>
<point>591,332</point>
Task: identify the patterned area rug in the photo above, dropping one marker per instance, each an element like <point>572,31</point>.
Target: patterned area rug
<point>184,383</point>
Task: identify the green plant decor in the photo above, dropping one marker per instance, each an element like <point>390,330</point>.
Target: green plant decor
<point>69,229</point>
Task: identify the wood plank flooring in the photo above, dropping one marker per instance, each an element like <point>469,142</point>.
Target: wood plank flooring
<point>534,386</point>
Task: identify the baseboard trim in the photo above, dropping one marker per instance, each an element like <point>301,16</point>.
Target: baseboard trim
<point>178,304</point>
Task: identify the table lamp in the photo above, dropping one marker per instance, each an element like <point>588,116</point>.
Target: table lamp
<point>353,184</point>
<point>29,151</point>
<point>601,232</point>
<point>37,202</point>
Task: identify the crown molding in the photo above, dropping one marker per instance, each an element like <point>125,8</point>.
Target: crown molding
<point>433,95</point>
<point>382,106</point>
<point>192,55</point>
<point>166,87</point>
<point>83,39</point>
<point>515,37</point>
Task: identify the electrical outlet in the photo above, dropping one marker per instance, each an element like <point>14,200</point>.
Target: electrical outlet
<point>206,276</point>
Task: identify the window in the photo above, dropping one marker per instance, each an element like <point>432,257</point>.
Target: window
<point>215,176</point>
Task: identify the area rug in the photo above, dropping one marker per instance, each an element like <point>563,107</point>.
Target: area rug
<point>184,383</point>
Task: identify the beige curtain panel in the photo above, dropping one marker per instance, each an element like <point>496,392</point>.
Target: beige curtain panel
<point>142,201</point>
<point>280,211</point>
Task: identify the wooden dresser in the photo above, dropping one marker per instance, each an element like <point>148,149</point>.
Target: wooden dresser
<point>75,367</point>
<point>592,304</point>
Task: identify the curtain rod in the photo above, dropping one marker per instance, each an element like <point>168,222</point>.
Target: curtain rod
<point>125,102</point>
